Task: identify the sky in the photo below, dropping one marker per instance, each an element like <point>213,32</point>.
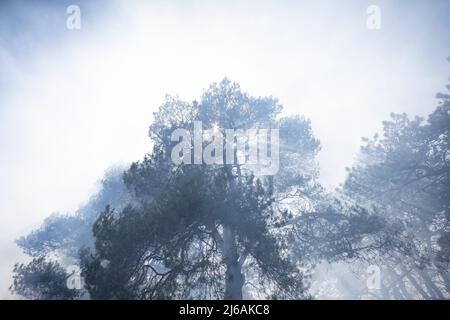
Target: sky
<point>74,102</point>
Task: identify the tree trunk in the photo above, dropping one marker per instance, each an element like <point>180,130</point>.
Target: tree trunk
<point>234,279</point>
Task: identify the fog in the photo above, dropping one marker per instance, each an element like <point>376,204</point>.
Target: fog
<point>75,102</point>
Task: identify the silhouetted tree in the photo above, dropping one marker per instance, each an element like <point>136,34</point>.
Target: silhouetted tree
<point>205,231</point>
<point>42,280</point>
<point>406,174</point>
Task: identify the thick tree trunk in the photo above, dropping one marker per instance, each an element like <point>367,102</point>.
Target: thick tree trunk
<point>234,279</point>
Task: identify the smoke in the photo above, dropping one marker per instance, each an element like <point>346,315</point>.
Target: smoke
<point>73,102</point>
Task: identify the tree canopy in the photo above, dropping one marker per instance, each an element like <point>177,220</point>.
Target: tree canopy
<point>165,229</point>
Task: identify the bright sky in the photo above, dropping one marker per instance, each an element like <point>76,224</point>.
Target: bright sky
<point>73,102</point>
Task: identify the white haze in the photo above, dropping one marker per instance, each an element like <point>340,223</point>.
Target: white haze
<point>73,107</point>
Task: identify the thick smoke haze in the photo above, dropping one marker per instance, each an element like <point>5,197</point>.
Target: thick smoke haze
<point>75,102</point>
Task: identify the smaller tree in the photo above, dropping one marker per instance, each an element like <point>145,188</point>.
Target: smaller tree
<point>42,280</point>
